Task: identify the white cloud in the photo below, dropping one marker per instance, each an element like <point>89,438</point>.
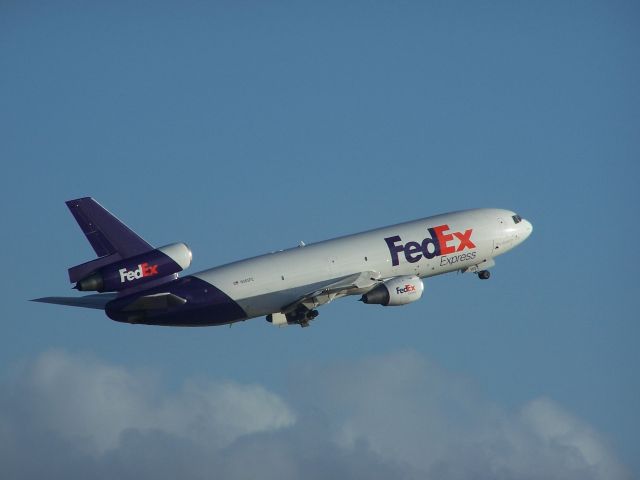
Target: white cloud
<point>410,410</point>
<point>79,397</point>
<point>563,432</point>
<point>394,416</point>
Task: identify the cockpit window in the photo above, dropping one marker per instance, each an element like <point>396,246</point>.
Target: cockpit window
<point>517,219</point>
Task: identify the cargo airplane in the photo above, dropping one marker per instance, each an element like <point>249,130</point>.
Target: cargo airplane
<point>138,283</point>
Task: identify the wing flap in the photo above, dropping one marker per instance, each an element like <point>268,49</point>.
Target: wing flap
<point>344,286</point>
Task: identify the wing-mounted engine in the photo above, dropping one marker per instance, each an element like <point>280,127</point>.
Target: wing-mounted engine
<point>395,291</point>
<point>138,269</point>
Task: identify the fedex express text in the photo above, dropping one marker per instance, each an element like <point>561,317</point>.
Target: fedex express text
<point>439,243</point>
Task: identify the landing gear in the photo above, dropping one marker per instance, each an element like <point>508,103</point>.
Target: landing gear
<point>302,316</point>
<point>484,274</point>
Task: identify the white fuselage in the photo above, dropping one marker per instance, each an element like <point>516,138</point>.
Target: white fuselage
<point>430,246</point>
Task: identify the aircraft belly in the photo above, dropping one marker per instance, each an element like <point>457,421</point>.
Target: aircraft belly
<point>204,304</point>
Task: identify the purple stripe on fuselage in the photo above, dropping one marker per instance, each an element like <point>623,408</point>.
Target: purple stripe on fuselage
<point>206,305</point>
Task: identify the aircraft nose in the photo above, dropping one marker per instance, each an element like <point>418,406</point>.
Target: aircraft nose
<point>527,228</point>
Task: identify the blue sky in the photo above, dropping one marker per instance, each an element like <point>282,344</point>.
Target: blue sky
<point>241,128</point>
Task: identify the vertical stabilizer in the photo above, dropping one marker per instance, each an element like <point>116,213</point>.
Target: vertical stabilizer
<point>111,239</point>
<point>105,232</point>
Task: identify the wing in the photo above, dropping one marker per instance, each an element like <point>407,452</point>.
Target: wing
<point>298,311</point>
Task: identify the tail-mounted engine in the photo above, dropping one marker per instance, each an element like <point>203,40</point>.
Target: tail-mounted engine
<point>138,269</point>
<point>396,291</point>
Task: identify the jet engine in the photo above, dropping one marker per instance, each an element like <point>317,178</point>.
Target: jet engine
<point>396,291</point>
<point>138,269</point>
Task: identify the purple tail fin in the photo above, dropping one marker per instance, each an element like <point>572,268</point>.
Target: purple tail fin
<point>111,239</point>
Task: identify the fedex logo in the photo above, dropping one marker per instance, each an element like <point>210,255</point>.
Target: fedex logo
<point>440,242</point>
<point>407,289</point>
<point>143,270</point>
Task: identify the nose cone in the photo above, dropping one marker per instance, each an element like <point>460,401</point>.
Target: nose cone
<point>527,228</point>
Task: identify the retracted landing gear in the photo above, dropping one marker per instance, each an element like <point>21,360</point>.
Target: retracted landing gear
<point>484,274</point>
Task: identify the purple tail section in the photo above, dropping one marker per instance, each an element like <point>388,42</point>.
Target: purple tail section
<point>111,239</point>
<point>105,232</point>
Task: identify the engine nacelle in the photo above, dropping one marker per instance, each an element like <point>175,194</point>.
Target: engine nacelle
<point>278,319</point>
<point>396,291</point>
<point>139,269</point>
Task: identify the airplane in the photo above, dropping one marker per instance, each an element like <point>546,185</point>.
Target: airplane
<point>139,284</point>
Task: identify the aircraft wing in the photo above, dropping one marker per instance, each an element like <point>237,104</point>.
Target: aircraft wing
<point>97,301</point>
<point>344,286</point>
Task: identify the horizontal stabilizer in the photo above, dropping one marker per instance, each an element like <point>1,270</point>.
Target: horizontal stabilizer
<point>97,301</point>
